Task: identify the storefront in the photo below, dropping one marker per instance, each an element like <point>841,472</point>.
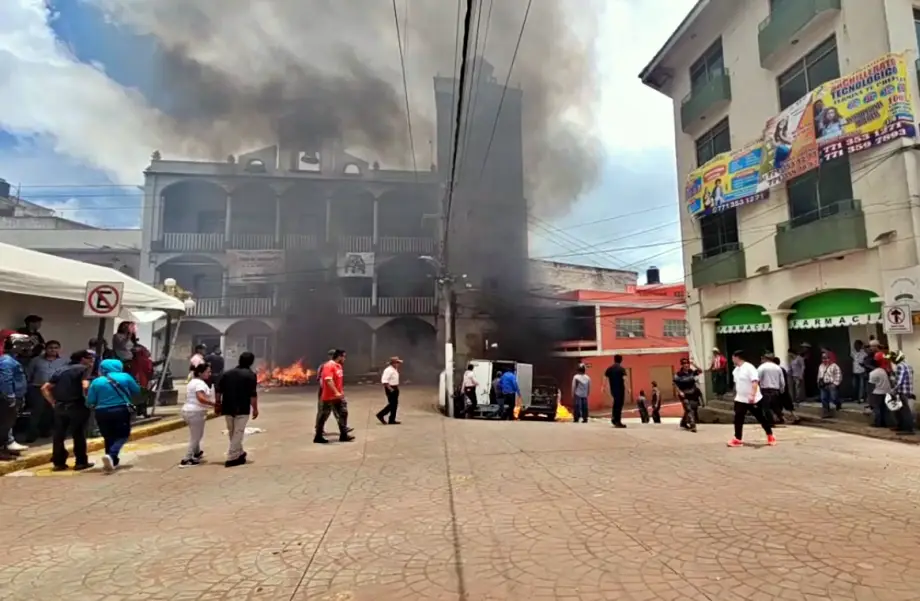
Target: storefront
<point>834,320</point>
<point>744,328</point>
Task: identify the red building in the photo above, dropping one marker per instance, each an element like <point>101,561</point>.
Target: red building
<point>646,325</point>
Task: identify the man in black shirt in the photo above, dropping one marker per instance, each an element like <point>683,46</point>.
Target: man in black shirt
<point>237,396</point>
<point>689,392</point>
<point>65,391</point>
<point>615,383</point>
<point>216,360</point>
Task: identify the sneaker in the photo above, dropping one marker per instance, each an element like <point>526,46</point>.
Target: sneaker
<point>619,425</point>
<point>83,466</point>
<point>199,454</point>
<point>320,440</point>
<point>241,460</point>
<point>734,442</point>
<point>394,423</point>
<point>771,440</point>
<point>346,438</point>
<point>693,429</point>
<point>189,463</point>
<point>108,465</point>
<point>381,420</point>
<point>16,447</point>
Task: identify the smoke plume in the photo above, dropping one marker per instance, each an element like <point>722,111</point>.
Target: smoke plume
<point>240,74</point>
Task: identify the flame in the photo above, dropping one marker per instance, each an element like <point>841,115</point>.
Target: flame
<point>563,414</point>
<point>294,374</point>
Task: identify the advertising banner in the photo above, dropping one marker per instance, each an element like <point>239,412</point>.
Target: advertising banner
<point>844,116</point>
<point>355,265</point>
<point>254,266</point>
<point>728,180</point>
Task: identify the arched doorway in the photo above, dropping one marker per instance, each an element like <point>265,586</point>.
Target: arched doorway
<point>743,328</point>
<point>833,319</point>
<point>414,340</point>
<point>253,335</point>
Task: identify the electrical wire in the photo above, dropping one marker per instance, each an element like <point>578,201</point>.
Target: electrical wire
<point>402,63</point>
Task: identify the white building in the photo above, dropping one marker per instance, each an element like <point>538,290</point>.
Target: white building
<point>811,262</point>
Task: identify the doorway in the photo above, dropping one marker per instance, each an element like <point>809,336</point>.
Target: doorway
<point>664,376</point>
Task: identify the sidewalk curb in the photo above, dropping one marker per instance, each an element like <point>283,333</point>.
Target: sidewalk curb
<point>43,456</point>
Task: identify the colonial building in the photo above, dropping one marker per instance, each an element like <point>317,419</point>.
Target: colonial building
<point>812,255</point>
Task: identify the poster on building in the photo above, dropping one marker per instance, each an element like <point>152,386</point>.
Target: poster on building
<point>729,180</point>
<point>254,266</point>
<point>355,265</point>
<point>865,109</point>
<point>789,148</point>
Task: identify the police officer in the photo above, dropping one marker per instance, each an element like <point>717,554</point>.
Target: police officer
<point>689,392</point>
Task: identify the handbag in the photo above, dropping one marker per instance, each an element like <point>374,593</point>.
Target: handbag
<point>122,393</point>
<point>893,401</point>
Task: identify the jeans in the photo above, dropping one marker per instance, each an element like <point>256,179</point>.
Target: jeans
<point>879,410</point>
<point>236,430</point>
<point>581,408</point>
<point>195,421</point>
<point>392,404</point>
<point>9,410</point>
<point>70,418</point>
<point>115,426</point>
<point>506,404</point>
<point>619,399</point>
<point>690,401</point>
<point>41,414</point>
<point>829,396</point>
<point>905,417</point>
<point>860,383</point>
<point>798,389</point>
<point>755,409</point>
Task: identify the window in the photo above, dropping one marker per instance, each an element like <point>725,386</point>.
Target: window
<point>917,24</point>
<point>719,232</point>
<point>675,328</point>
<point>817,67</point>
<point>715,141</point>
<point>707,67</point>
<point>630,328</point>
<point>819,193</point>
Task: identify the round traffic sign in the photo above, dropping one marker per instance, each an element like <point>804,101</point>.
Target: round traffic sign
<point>104,300</point>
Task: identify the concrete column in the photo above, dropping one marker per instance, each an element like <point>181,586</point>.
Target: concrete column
<point>227,216</point>
<point>376,220</point>
<point>373,348</point>
<point>223,342</point>
<point>779,322</point>
<point>709,341</point>
<point>277,219</point>
<point>328,219</point>
<point>598,328</point>
<point>374,288</point>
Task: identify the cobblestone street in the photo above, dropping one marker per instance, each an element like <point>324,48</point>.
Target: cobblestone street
<point>438,509</point>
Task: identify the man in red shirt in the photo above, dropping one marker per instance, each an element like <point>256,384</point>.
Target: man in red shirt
<point>332,397</point>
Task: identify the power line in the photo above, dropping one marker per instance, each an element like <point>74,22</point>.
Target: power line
<point>501,99</point>
<point>402,62</point>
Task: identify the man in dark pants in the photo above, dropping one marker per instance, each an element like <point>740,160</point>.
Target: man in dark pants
<point>615,383</point>
<point>332,398</point>
<point>510,391</point>
<point>38,372</point>
<point>65,392</point>
<point>390,381</point>
<point>689,392</point>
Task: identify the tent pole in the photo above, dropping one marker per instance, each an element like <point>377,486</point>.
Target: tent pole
<point>169,349</point>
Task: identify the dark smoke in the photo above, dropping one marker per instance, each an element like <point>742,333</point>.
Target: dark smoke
<point>239,74</point>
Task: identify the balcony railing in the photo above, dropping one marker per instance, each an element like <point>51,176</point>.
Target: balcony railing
<point>718,266</point>
<point>249,307</point>
<point>355,305</point>
<point>835,228</point>
<point>241,241</point>
<point>706,100</point>
<point>183,242</point>
<point>789,21</point>
<point>207,307</point>
<point>405,245</point>
<point>406,305</point>
<point>356,244</point>
<point>299,241</point>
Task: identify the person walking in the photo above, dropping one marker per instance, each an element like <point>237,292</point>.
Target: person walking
<point>469,385</point>
<point>785,397</point>
<point>688,390</point>
<point>829,379</point>
<point>13,388</point>
<point>879,389</point>
<point>236,397</point>
<point>656,403</point>
<point>748,399</point>
<point>904,387</point>
<point>860,375</point>
<point>38,373</point>
<point>510,392</point>
<point>64,393</point>
<point>332,381</point>
<point>390,381</point>
<point>581,389</point>
<point>772,386</point>
<point>615,383</point>
<point>110,396</point>
<point>198,400</point>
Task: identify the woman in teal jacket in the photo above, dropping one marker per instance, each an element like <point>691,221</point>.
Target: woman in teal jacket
<point>110,395</point>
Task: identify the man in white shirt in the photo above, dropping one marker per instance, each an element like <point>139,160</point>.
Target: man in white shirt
<point>747,400</point>
<point>468,386</point>
<point>772,385</point>
<point>390,381</point>
<point>860,375</point>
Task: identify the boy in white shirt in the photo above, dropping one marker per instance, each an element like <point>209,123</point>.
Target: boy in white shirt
<point>747,400</point>
<point>390,381</point>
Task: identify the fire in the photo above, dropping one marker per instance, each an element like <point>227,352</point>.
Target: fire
<point>292,375</point>
<point>563,414</point>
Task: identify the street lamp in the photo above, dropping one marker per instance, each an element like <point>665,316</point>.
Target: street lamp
<point>189,305</point>
<point>169,282</point>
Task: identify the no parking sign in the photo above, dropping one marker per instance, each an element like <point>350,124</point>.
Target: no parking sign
<point>103,299</point>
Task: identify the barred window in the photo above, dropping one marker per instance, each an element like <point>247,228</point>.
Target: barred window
<point>630,328</point>
<point>675,328</point>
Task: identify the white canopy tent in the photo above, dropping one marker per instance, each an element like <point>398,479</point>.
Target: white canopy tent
<point>34,273</point>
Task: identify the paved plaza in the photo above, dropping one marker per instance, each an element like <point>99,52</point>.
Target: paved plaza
<point>438,509</point>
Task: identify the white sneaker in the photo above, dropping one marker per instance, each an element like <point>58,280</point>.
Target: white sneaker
<point>108,466</point>
<point>16,447</point>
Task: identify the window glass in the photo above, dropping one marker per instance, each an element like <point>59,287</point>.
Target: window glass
<point>818,66</point>
<point>820,193</point>
<point>630,328</point>
<point>719,232</point>
<point>715,141</point>
<point>823,69</point>
<point>675,328</point>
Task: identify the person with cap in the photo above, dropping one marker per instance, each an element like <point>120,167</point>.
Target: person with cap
<point>688,391</point>
<point>904,387</point>
<point>31,327</point>
<point>390,381</point>
<point>13,387</point>
<point>719,369</point>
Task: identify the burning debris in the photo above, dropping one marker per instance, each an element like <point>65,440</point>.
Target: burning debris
<point>292,375</point>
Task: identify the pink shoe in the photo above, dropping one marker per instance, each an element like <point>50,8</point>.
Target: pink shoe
<point>734,442</point>
<point>771,441</point>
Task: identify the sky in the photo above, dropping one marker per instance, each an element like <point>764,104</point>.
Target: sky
<point>79,109</point>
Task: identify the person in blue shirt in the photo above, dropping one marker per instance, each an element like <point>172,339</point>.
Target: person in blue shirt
<point>13,387</point>
<point>111,396</point>
<point>510,391</point>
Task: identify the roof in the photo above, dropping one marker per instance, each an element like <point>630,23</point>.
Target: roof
<point>34,273</point>
<point>682,29</point>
